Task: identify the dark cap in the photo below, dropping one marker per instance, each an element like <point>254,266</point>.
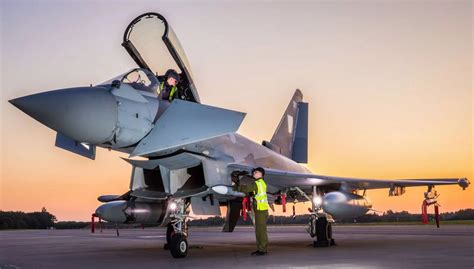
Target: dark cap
<point>171,73</point>
<point>260,169</point>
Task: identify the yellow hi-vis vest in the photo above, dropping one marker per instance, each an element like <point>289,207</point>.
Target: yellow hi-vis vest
<point>172,92</point>
<point>261,195</point>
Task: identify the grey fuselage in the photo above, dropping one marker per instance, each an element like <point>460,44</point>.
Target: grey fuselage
<point>118,118</point>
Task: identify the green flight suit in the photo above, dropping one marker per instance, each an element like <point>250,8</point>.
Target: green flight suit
<point>165,95</point>
<point>261,217</point>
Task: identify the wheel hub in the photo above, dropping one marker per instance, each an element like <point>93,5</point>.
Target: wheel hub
<point>182,246</point>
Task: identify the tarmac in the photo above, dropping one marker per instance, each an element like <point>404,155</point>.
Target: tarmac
<point>404,246</point>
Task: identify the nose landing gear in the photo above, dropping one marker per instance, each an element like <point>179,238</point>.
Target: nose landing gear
<point>177,229</point>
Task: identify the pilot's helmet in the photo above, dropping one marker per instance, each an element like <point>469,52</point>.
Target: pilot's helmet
<point>173,74</point>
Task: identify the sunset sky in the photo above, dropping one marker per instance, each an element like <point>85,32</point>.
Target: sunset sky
<point>389,85</point>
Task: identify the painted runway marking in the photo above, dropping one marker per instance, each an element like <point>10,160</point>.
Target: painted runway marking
<point>9,266</point>
<point>151,236</point>
<point>103,234</point>
<point>37,237</point>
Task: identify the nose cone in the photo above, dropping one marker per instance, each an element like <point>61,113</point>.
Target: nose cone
<point>86,114</point>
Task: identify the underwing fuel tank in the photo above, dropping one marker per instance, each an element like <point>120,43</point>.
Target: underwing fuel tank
<point>131,212</point>
<point>345,205</point>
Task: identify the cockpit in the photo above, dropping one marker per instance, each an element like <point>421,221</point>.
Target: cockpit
<point>142,80</point>
<point>139,79</point>
<point>153,45</point>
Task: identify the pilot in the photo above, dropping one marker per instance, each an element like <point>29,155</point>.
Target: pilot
<point>260,207</point>
<point>169,87</point>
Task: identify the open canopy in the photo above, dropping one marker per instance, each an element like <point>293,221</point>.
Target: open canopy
<point>153,45</point>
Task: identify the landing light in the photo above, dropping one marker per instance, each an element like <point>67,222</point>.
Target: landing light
<point>317,200</point>
<point>173,205</point>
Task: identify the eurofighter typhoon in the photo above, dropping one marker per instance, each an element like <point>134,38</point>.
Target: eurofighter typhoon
<point>191,151</point>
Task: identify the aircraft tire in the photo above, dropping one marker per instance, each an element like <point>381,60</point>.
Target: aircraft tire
<point>169,234</point>
<point>322,230</point>
<point>323,233</point>
<point>312,226</point>
<point>178,246</point>
<point>329,229</point>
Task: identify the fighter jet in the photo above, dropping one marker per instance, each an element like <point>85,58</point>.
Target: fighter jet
<point>184,153</point>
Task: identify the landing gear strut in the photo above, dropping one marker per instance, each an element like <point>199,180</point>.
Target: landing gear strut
<point>177,230</point>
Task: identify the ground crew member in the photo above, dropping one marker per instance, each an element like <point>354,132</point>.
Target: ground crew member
<point>169,88</point>
<point>260,207</point>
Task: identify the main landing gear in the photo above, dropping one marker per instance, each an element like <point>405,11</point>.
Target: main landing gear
<point>321,228</point>
<point>177,229</point>
<point>319,225</point>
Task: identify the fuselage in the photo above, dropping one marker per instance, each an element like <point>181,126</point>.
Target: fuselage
<point>118,115</point>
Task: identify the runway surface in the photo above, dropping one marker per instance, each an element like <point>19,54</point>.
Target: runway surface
<point>451,246</point>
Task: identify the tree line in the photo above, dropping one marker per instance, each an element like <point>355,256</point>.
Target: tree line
<point>45,220</point>
<point>21,220</point>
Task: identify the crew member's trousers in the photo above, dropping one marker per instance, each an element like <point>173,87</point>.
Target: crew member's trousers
<point>261,229</point>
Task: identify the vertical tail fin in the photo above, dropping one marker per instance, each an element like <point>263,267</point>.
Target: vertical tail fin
<point>291,136</point>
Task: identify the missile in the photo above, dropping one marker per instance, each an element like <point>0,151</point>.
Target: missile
<point>226,190</point>
<point>107,198</point>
